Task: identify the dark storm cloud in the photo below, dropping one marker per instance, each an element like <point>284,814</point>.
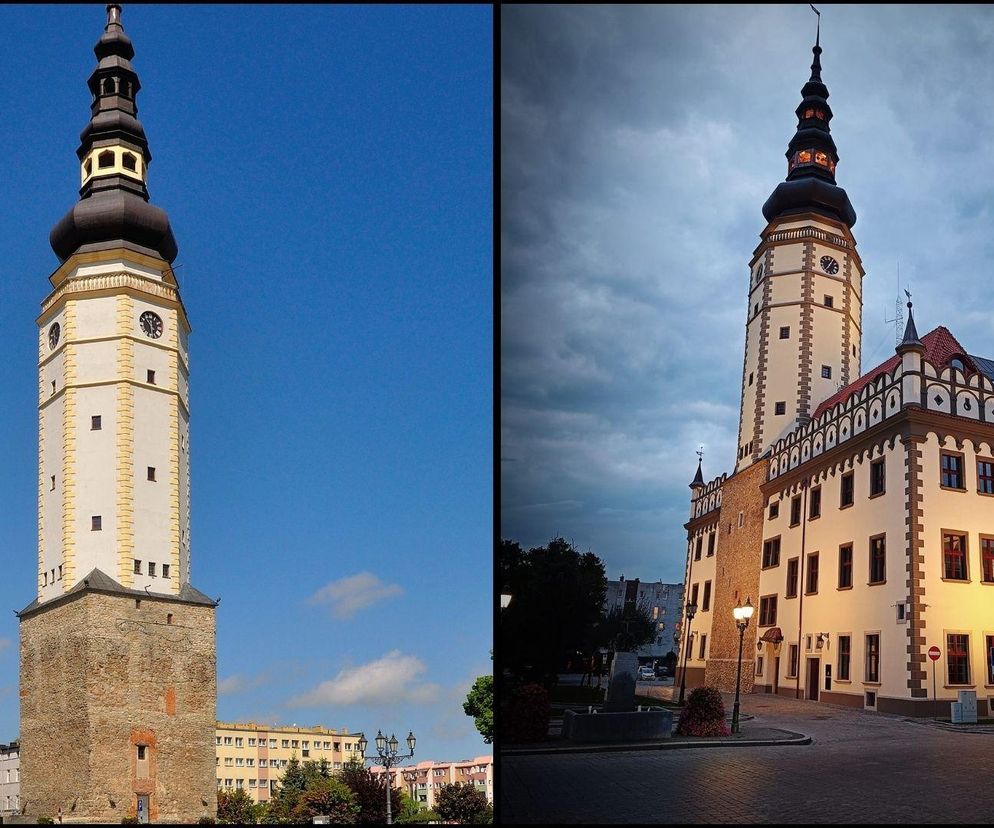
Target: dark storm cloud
<point>638,145</point>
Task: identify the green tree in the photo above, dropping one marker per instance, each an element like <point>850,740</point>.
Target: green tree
<point>480,705</point>
<point>326,797</point>
<point>557,604</point>
<point>235,808</point>
<point>463,804</point>
<point>288,791</point>
<point>625,629</point>
<point>370,792</point>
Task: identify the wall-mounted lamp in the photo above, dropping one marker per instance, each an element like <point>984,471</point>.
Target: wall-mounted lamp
<point>822,641</point>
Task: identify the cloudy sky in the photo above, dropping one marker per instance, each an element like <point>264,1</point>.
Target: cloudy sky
<point>638,145</point>
<point>327,170</point>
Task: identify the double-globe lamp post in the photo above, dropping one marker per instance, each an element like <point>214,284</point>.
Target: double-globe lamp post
<point>691,609</point>
<point>387,756</point>
<point>742,616</point>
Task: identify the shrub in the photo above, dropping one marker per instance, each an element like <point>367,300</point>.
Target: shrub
<point>46,821</point>
<point>129,820</point>
<point>704,714</point>
<point>526,714</point>
<point>206,820</point>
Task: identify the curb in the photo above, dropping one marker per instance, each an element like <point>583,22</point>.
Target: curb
<point>796,739</point>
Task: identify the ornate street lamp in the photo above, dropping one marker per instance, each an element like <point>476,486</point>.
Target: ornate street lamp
<point>691,609</point>
<point>387,756</point>
<point>742,616</point>
<point>505,599</point>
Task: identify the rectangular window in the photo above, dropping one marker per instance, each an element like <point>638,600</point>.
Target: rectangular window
<point>791,578</point>
<point>227,741</point>
<point>792,661</point>
<point>95,424</point>
<point>812,580</point>
<point>704,643</point>
<point>845,566</point>
<point>151,473</point>
<point>780,408</point>
<point>829,301</point>
<point>844,656</point>
<point>775,510</point>
<point>286,743</point>
<point>987,560</point>
<point>878,559</point>
<point>952,470</point>
<point>771,553</point>
<point>759,665</point>
<point>953,556</point>
<point>989,652</point>
<point>165,570</point>
<point>846,498</point>
<point>750,378</point>
<point>878,479</point>
<point>53,482</point>
<point>826,371</point>
<point>958,658</point>
<point>985,477</point>
<point>697,550</point>
<point>707,597</point>
<point>795,510</point>
<point>768,610</point>
<point>814,503</point>
<point>711,544</point>
<point>785,332</point>
<point>60,572</point>
<point>873,657</point>
<point>693,599</point>
<point>239,762</point>
<point>96,523</point>
<point>252,784</point>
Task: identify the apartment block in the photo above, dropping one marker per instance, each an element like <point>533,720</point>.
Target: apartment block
<point>423,780</point>
<point>10,778</point>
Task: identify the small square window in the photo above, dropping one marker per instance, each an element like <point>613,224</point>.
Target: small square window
<point>95,523</point>
<point>826,372</point>
<point>138,567</point>
<point>829,301</point>
<point>165,570</point>
<point>151,569</point>
<point>60,572</point>
<point>95,424</point>
<point>774,509</point>
<point>780,408</point>
<point>785,332</point>
<point>150,377</point>
<point>151,473</point>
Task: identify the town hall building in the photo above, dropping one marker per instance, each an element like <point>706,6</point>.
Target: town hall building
<point>859,516</point>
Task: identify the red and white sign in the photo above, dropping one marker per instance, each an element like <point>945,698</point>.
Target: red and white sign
<point>934,653</point>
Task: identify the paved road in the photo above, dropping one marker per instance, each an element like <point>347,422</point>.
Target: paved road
<point>860,768</point>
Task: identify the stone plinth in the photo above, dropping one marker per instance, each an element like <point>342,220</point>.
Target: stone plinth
<point>617,727</point>
<point>621,689</point>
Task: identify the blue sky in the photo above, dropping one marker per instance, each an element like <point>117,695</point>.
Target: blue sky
<point>328,174</point>
<point>638,145</point>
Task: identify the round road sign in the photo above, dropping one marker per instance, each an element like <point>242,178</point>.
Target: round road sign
<point>934,653</point>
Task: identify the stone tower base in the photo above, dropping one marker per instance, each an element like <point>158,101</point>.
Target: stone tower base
<point>118,705</point>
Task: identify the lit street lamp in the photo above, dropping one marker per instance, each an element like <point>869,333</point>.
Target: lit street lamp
<point>505,599</point>
<point>742,616</point>
<point>387,756</point>
<point>691,612</point>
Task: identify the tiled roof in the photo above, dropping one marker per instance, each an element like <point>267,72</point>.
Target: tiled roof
<point>940,347</point>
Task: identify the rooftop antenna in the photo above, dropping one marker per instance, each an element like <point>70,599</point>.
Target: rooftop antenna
<point>898,320</point>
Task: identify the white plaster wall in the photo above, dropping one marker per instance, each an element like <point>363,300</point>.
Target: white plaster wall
<point>50,429</point>
<point>95,471</point>
<point>749,392</point>
<point>149,357</point>
<point>152,541</point>
<point>826,349</point>
<point>116,266</point>
<point>44,349</point>
<point>781,372</point>
<point>96,316</point>
<point>96,361</point>
<point>184,497</point>
<point>788,258</point>
<point>703,570</point>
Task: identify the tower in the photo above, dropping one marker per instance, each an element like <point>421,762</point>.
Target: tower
<point>118,678</point>
<point>803,326</point>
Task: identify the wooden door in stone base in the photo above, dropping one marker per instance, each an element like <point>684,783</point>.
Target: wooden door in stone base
<point>776,675</point>
<point>814,669</point>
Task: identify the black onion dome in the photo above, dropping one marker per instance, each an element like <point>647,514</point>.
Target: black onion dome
<point>114,208</point>
<point>811,159</point>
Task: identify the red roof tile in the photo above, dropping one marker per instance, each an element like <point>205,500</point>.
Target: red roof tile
<point>940,347</point>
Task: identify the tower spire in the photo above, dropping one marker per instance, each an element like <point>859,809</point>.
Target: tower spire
<point>911,339</point>
<point>812,156</point>
<point>113,209</point>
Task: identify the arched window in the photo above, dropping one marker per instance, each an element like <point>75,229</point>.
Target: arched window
<point>88,166</point>
<point>129,161</point>
<point>109,86</point>
<point>105,159</point>
<point>957,363</point>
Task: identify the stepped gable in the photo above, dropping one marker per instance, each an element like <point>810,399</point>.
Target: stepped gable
<point>940,347</point>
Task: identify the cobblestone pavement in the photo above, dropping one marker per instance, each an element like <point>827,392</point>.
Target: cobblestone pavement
<point>860,768</point>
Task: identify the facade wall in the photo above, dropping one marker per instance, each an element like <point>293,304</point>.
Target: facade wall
<point>422,781</point>
<point>10,778</point>
<point>662,601</point>
<point>701,571</point>
<point>118,674</point>
<point>252,757</point>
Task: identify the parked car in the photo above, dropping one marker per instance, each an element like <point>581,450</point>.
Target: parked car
<point>662,671</point>
<point>646,674</point>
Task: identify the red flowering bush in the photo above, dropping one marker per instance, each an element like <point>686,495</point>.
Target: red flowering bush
<point>525,714</point>
<point>704,714</point>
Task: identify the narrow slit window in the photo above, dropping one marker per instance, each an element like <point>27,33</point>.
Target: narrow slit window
<point>96,523</point>
<point>151,473</point>
<point>165,570</point>
<point>150,377</point>
<point>53,482</point>
<point>95,423</point>
<point>151,569</point>
<point>138,567</point>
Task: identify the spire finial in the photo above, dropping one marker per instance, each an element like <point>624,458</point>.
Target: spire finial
<point>816,64</point>
<point>113,14</point>
<point>698,480</point>
<point>910,331</point>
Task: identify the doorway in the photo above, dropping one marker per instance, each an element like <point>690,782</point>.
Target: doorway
<point>814,668</point>
<point>142,809</point>
<point>776,675</point>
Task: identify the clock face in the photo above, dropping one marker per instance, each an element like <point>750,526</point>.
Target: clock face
<point>53,335</point>
<point>829,265</point>
<point>151,324</point>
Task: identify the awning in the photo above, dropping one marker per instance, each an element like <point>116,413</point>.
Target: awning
<point>773,635</point>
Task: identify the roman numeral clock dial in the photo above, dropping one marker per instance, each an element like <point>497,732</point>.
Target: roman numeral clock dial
<point>829,265</point>
<point>151,324</point>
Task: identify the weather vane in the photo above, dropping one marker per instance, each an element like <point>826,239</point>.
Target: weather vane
<point>700,454</point>
<point>818,32</point>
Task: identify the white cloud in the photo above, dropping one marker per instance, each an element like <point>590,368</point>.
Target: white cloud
<point>4,644</point>
<point>392,679</point>
<point>239,684</point>
<point>347,596</point>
